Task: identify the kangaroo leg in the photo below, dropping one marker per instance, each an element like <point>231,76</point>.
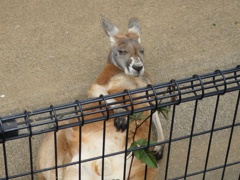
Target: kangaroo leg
<point>158,150</point>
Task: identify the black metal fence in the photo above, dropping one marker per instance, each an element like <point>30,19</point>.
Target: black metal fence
<point>201,134</point>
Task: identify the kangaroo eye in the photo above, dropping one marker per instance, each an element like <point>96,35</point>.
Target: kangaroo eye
<point>122,51</point>
<point>142,51</point>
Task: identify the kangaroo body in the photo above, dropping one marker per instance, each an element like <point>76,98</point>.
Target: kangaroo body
<point>124,70</point>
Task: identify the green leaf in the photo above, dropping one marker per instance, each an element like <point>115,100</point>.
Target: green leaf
<point>137,117</point>
<point>137,154</point>
<point>133,145</point>
<point>144,155</point>
<point>141,142</point>
<point>144,142</point>
<point>164,111</point>
<point>147,157</point>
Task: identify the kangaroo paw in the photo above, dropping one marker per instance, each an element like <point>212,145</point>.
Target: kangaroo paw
<point>120,123</point>
<point>158,152</point>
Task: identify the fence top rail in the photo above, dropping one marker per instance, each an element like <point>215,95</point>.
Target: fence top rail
<point>151,97</point>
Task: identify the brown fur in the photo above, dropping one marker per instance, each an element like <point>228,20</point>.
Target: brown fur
<point>68,146</point>
<point>108,72</point>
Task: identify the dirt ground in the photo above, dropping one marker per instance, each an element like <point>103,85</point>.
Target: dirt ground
<point>51,51</point>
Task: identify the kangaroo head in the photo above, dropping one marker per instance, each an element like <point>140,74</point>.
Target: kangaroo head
<point>126,52</point>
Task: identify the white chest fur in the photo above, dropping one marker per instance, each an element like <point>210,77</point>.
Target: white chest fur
<point>117,83</point>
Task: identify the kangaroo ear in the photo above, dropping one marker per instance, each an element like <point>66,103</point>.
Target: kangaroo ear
<point>109,28</point>
<point>135,27</point>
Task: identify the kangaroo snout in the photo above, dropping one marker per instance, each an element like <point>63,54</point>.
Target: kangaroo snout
<point>137,68</point>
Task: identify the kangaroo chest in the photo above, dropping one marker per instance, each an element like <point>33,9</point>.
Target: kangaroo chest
<point>118,83</point>
<point>122,80</point>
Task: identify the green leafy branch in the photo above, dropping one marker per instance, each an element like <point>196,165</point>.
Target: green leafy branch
<point>144,154</point>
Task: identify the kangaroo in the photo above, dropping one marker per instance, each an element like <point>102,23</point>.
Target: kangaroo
<point>124,70</point>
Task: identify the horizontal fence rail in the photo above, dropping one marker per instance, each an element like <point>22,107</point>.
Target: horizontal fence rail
<point>153,97</point>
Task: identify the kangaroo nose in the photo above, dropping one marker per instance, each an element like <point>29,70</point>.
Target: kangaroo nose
<point>137,68</point>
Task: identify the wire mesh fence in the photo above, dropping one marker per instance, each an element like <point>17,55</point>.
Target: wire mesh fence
<point>201,132</point>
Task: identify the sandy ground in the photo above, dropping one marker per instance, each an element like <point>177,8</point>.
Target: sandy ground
<point>51,51</point>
